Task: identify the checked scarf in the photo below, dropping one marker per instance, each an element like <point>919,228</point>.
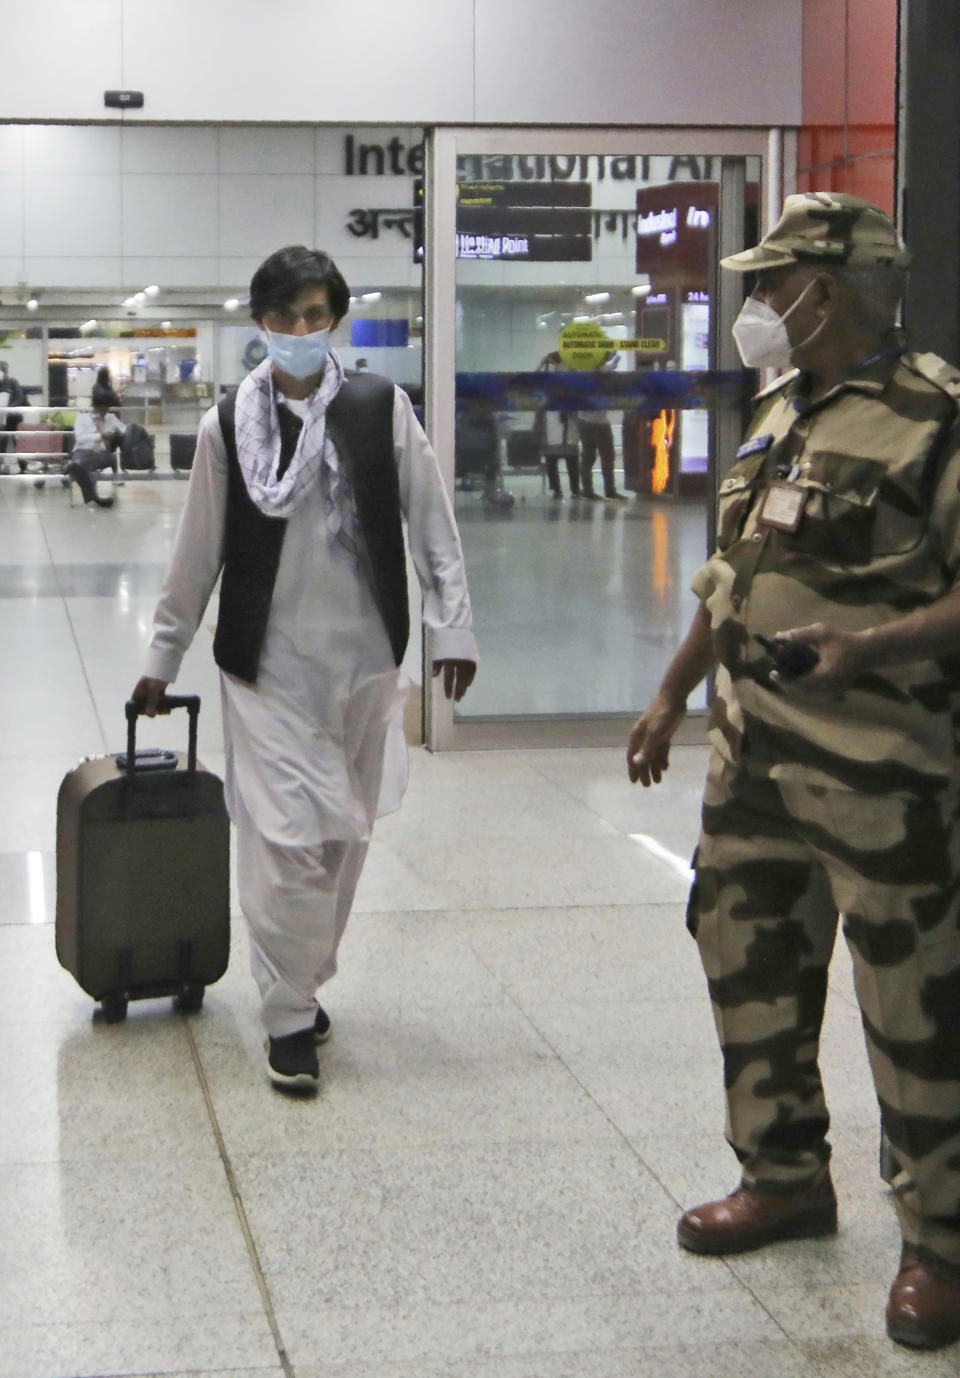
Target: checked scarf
<point>314,460</point>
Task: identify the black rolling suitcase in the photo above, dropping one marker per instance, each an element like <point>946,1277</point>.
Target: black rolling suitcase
<point>182,449</point>
<point>143,873</point>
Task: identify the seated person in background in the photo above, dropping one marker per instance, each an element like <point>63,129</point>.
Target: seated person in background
<point>96,434</point>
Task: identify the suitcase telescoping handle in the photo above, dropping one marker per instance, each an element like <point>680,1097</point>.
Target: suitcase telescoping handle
<point>191,702</point>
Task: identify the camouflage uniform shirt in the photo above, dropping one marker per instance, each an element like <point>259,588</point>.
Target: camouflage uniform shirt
<point>877,465</point>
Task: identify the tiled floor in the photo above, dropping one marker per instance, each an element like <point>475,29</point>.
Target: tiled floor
<point>521,1093</point>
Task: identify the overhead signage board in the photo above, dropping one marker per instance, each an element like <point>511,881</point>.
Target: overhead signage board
<point>675,232</point>
<point>526,248</point>
<point>524,194</point>
<point>527,222</point>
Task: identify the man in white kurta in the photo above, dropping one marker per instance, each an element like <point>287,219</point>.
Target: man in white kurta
<point>314,747</point>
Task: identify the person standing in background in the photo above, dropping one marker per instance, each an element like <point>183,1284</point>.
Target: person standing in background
<point>11,395</point>
<point>557,437</point>
<point>103,393</point>
<point>596,440</point>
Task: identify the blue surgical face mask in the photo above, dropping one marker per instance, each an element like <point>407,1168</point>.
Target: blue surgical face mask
<point>300,356</point>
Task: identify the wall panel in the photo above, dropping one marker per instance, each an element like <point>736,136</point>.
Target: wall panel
<point>412,61</point>
<point>849,97</point>
<point>267,150</point>
<point>249,203</point>
<point>131,206</point>
<point>302,60</point>
<point>11,226</point>
<point>173,149</point>
<point>638,62</point>
<point>61,57</point>
<point>74,211</point>
<point>824,63</point>
<point>173,213</point>
<point>72,149</point>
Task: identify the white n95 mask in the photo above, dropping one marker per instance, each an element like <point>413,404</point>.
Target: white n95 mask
<point>761,335</point>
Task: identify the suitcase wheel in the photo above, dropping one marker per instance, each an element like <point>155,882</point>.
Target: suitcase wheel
<point>114,1008</point>
<point>189,998</point>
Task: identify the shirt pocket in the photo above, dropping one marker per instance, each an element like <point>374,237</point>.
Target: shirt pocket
<point>849,518</point>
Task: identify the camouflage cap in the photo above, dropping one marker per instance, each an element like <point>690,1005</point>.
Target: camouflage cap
<point>825,227</point>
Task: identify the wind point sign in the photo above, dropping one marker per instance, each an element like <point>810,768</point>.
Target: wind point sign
<point>585,345</point>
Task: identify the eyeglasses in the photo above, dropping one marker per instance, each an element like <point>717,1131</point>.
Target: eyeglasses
<point>284,322</point>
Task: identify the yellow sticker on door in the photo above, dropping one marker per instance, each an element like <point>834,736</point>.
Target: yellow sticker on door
<point>585,345</point>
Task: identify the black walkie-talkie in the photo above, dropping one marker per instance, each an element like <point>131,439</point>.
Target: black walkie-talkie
<point>791,658</point>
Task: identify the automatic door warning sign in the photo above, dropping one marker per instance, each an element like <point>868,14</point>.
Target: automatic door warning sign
<point>585,345</point>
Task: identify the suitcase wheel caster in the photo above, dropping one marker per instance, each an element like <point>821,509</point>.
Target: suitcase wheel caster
<point>114,1008</point>
<point>189,999</point>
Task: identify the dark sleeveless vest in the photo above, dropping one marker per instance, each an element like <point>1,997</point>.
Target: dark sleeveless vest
<point>360,423</point>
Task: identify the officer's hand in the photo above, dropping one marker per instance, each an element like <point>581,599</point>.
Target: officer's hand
<point>148,693</point>
<point>648,747</point>
<point>457,676</point>
<point>838,659</point>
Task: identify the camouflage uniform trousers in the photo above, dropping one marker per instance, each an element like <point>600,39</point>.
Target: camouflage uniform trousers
<point>777,863</point>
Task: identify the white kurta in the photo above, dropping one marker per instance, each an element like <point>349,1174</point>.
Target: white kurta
<point>306,743</point>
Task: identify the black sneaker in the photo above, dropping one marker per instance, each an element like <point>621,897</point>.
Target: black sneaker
<point>292,1061</point>
<point>322,1027</point>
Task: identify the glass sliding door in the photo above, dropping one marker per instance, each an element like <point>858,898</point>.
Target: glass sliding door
<point>582,321</point>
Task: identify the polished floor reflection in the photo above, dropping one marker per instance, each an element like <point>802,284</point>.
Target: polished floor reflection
<point>579,605</point>
<point>521,1092</point>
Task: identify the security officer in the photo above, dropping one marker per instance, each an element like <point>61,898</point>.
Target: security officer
<point>830,611</point>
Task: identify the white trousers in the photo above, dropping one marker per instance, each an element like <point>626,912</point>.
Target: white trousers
<point>304,799</point>
<point>296,901</point>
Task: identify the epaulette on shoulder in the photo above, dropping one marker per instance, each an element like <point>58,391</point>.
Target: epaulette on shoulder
<point>778,383</point>
<point>937,371</point>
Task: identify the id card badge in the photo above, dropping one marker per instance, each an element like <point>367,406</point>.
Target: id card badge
<point>783,506</point>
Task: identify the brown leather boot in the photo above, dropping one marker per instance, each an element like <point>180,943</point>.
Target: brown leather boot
<point>747,1220</point>
<point>924,1306</point>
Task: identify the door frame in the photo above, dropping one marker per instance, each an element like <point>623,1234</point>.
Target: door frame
<point>776,150</point>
